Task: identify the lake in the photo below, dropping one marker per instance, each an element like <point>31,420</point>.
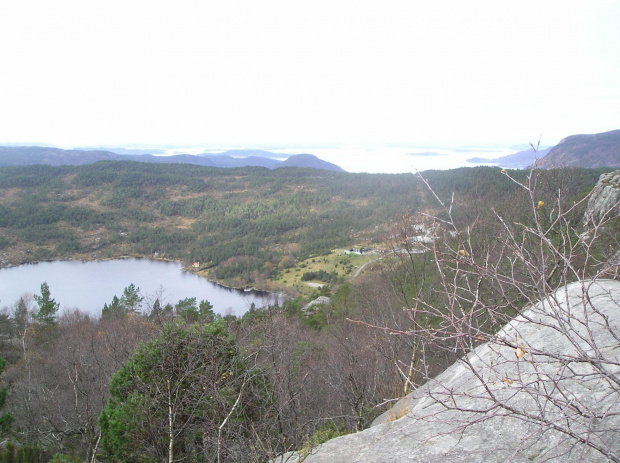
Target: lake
<point>90,285</point>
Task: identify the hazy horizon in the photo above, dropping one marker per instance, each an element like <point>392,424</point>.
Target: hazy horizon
<point>344,73</point>
<point>368,158</point>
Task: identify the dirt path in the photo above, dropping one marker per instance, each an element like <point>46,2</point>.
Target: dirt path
<point>357,272</point>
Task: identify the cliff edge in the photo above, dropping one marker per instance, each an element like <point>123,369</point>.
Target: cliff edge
<point>605,199</point>
<point>545,388</point>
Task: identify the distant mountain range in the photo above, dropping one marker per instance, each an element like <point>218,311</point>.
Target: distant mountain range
<point>28,155</point>
<point>519,160</point>
<point>597,150</point>
<point>246,153</point>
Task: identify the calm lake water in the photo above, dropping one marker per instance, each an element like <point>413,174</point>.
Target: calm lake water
<point>90,285</point>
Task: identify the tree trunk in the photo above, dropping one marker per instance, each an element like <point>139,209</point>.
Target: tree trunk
<point>170,426</point>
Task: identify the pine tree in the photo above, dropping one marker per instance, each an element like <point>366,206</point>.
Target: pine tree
<point>6,419</point>
<point>189,395</point>
<point>131,299</point>
<point>114,310</point>
<point>48,307</point>
<point>205,309</point>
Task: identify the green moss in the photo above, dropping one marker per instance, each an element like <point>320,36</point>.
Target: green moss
<point>326,432</point>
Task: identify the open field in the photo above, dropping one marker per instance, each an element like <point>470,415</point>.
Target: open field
<point>340,262</point>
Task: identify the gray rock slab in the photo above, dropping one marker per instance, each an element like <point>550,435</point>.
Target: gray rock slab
<point>604,200</point>
<point>494,406</point>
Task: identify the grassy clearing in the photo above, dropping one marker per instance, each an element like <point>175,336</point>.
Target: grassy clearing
<point>344,265</point>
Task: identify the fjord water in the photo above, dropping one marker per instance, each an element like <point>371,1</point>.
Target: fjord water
<point>89,285</point>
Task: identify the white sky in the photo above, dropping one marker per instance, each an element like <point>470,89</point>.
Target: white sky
<point>433,72</point>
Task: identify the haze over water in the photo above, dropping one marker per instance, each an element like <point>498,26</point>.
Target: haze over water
<point>385,159</point>
<point>394,160</point>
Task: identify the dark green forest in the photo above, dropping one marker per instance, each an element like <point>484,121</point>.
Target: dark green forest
<point>237,223</point>
<point>146,383</point>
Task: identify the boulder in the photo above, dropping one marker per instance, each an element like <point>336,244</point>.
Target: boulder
<point>311,307</point>
<point>544,388</point>
<point>604,199</point>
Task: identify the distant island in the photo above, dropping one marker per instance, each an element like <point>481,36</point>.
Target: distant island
<point>520,160</point>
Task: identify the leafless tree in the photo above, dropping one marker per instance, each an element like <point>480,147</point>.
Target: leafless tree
<point>515,262</point>
<point>294,356</point>
<point>61,383</point>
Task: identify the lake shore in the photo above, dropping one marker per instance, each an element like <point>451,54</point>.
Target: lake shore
<point>279,293</point>
<point>88,285</point>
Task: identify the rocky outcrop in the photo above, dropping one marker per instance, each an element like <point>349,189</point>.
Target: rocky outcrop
<point>545,388</point>
<point>596,150</point>
<point>311,307</point>
<point>605,198</point>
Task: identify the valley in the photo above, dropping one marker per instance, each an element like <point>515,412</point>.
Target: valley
<point>242,227</point>
<point>375,268</point>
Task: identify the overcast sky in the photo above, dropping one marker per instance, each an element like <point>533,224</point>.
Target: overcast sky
<point>424,73</point>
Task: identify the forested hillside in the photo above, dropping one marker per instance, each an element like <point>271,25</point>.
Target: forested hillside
<point>146,382</point>
<point>242,225</point>
<point>595,150</point>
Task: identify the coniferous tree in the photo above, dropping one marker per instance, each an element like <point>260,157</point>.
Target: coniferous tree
<point>115,310</point>
<point>6,419</point>
<point>131,299</point>
<point>156,310</point>
<point>188,395</point>
<point>187,310</point>
<point>48,307</point>
<point>205,309</point>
